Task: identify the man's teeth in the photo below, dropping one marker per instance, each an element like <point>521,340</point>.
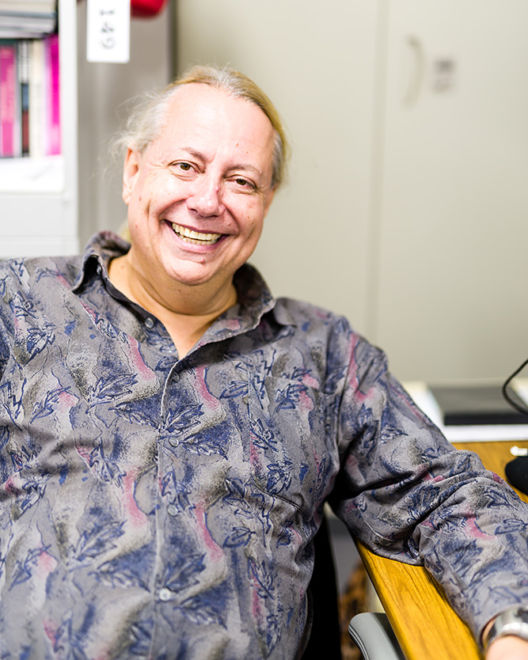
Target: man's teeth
<point>197,237</point>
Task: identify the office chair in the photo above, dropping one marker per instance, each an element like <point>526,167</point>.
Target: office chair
<point>370,631</point>
<point>373,634</point>
<point>325,638</point>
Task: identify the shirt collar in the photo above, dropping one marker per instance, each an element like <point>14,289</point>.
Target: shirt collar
<point>254,297</point>
<point>100,249</point>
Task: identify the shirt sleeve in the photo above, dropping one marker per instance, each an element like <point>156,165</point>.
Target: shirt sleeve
<point>4,344</point>
<point>407,494</point>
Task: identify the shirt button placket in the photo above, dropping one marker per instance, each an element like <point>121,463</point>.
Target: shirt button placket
<point>164,593</point>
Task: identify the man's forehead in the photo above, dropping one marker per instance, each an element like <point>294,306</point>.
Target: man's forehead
<point>201,117</point>
<point>209,101</point>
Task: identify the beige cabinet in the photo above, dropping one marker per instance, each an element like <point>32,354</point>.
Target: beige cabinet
<point>407,203</point>
<point>449,299</point>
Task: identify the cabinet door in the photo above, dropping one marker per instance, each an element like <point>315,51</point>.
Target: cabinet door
<point>453,208</point>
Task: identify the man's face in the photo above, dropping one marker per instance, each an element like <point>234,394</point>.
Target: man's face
<point>198,194</point>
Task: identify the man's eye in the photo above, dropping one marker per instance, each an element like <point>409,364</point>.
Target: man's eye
<point>243,183</point>
<point>182,166</point>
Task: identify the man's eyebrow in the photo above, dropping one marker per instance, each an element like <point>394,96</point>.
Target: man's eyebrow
<point>193,152</point>
<point>236,166</point>
<point>246,166</point>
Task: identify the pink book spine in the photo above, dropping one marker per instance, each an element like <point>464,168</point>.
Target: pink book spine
<point>53,128</point>
<point>8,91</point>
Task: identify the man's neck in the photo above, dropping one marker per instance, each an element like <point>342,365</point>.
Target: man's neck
<point>185,311</point>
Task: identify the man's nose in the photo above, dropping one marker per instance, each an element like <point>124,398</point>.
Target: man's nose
<point>206,196</point>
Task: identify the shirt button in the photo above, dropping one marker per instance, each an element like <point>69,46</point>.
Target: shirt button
<point>149,323</point>
<point>165,594</point>
<point>172,510</point>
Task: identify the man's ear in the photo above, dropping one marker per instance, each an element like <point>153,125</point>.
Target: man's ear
<point>130,173</point>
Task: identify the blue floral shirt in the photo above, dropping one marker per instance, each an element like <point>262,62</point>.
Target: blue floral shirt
<point>154,507</point>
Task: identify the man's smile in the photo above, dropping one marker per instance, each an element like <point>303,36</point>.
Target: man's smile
<point>196,237</point>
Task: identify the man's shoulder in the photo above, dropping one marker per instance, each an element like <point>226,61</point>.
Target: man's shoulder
<point>316,325</point>
<point>25,272</point>
<point>309,316</point>
<point>103,245</point>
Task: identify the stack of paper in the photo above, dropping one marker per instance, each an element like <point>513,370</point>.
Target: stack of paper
<point>26,19</point>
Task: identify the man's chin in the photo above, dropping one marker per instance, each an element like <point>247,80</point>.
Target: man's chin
<point>193,275</point>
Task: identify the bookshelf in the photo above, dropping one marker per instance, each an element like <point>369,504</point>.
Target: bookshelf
<point>38,195</point>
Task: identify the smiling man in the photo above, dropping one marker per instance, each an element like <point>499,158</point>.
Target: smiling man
<point>197,197</point>
<point>170,432</point>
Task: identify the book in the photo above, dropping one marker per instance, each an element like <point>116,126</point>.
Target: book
<point>52,128</point>
<point>10,142</point>
<point>23,80</point>
<point>36,99</point>
<point>477,404</point>
<point>24,19</point>
<point>27,6</point>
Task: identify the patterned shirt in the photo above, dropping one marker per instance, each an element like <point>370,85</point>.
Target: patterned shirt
<point>158,507</point>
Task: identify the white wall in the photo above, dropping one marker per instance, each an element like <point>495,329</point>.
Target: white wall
<point>103,88</point>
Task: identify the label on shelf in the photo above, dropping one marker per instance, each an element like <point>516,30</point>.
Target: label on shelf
<point>108,31</point>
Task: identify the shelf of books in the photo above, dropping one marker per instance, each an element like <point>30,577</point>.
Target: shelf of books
<point>38,127</point>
